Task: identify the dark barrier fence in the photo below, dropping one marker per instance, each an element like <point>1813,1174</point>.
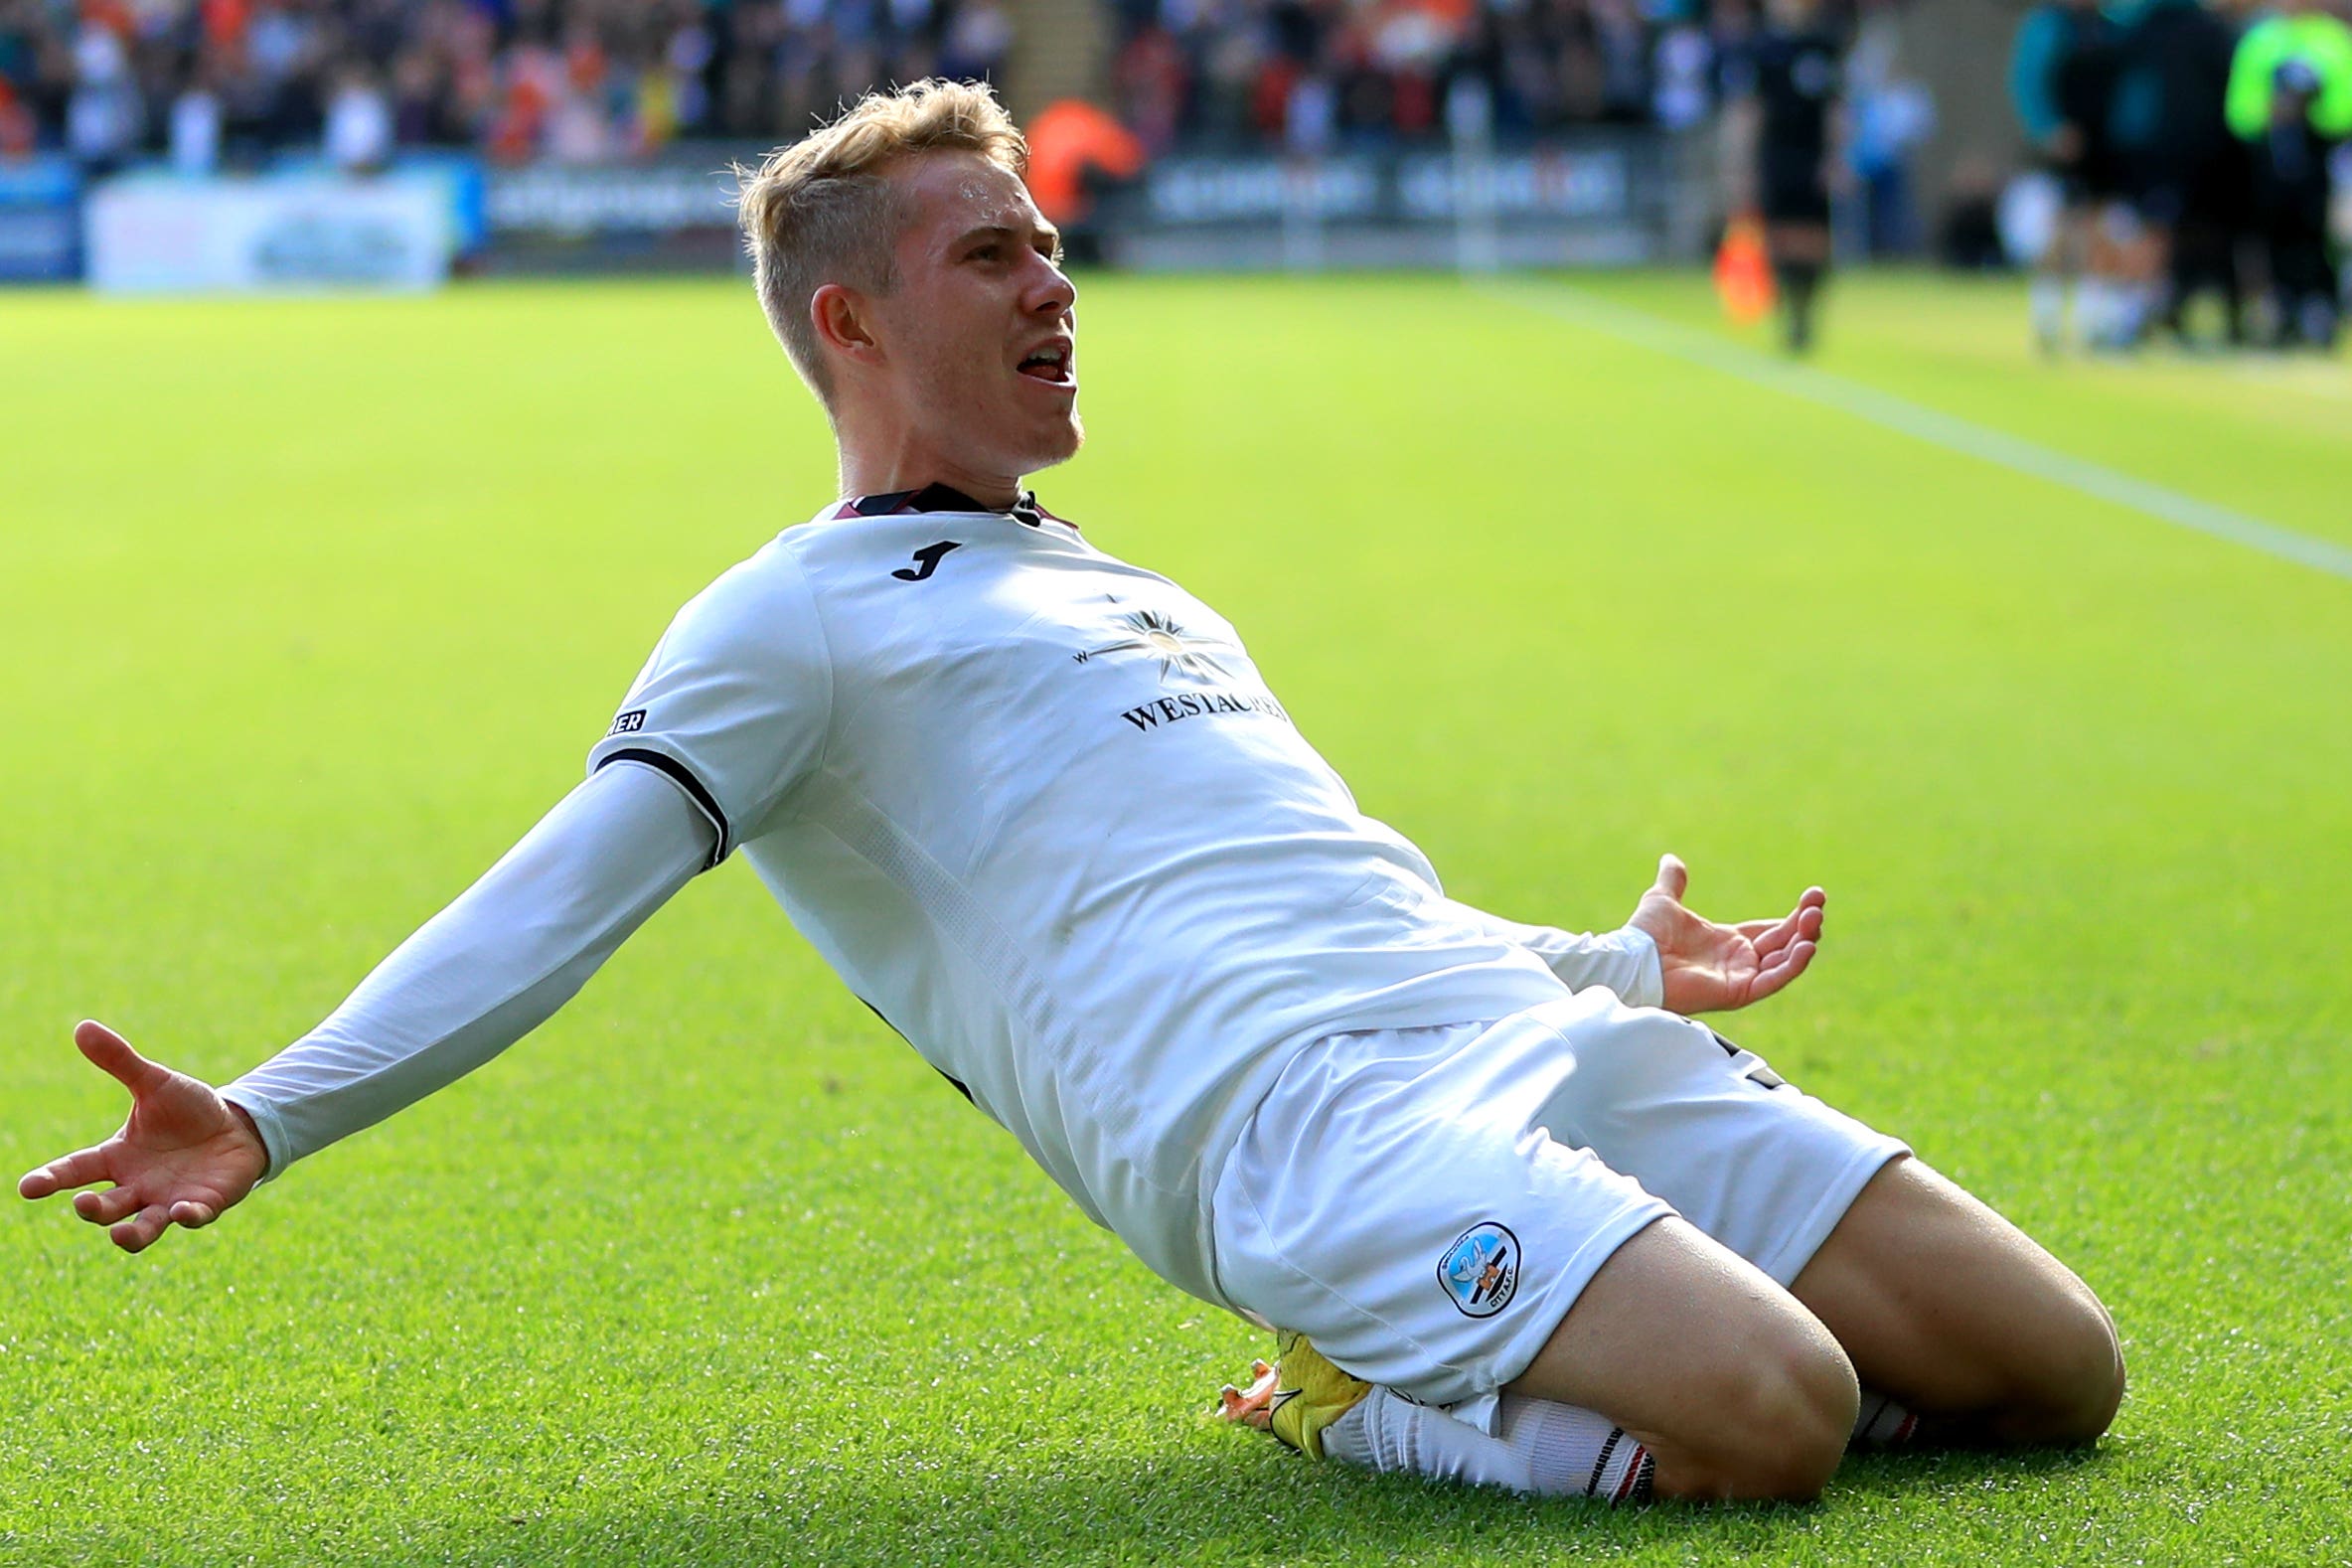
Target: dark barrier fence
<point>1603,196</point>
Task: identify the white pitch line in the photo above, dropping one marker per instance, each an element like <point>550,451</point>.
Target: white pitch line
<point>1931,425</point>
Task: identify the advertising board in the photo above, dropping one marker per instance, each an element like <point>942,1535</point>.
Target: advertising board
<point>162,233</point>
<point>673,212</point>
<point>40,221</point>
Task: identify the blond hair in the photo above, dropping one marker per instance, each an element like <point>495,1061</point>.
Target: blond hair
<point>823,209</point>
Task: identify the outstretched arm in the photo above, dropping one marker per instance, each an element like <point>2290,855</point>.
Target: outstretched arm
<point>478,977</point>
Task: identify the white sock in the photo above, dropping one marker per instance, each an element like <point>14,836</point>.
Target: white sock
<point>2141,301</point>
<point>2049,309</point>
<point>2094,310</point>
<point>1881,1422</point>
<point>1553,1451</point>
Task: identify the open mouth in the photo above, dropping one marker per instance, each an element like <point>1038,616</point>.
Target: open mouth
<point>1049,364</point>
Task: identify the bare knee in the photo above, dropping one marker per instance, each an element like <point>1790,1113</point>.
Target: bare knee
<point>2022,1353</point>
<point>2072,1380</point>
<point>1737,1390</point>
<point>1776,1431</point>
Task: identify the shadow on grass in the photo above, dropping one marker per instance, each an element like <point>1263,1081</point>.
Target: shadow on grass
<point>1209,1504</point>
<point>1973,1469</point>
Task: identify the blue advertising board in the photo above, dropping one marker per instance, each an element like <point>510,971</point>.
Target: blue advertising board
<point>40,221</point>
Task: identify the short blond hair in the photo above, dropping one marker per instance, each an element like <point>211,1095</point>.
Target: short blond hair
<point>823,209</point>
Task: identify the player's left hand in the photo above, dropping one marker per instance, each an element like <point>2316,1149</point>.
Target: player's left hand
<point>1710,968</point>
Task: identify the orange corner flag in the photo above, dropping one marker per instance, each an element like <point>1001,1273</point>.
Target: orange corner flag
<point>1743,272</point>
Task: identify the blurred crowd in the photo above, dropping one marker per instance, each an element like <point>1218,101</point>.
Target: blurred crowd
<point>1311,76</point>
<point>582,80</point>
<point>207,81</point>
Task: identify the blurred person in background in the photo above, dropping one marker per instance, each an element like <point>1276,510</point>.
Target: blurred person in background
<point>285,49</point>
<point>2305,30</point>
<point>20,132</point>
<point>2290,102</point>
<point>581,126</point>
<point>196,126</point>
<point>1311,115</point>
<point>976,42</point>
<point>31,73</point>
<point>1621,46</point>
<point>2062,74</point>
<point>1079,154</point>
<point>105,118</point>
<point>1150,80</point>
<point>1783,133</point>
<point>1685,67</point>
<point>359,129</point>
<point>1968,237</point>
<point>21,33</point>
<point>2292,197</point>
<point>1889,113</point>
<point>2181,171</point>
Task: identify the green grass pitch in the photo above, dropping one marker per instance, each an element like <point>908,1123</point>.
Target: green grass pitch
<point>309,608</point>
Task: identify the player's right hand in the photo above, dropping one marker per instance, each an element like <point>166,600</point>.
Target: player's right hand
<point>182,1155</point>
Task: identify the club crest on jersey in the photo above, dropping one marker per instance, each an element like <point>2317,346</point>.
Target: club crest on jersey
<point>1481,1271</point>
<point>1154,636</point>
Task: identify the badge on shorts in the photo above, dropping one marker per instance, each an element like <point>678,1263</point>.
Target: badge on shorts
<point>1481,1271</point>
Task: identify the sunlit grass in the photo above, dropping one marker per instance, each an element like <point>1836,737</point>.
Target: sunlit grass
<point>313,606</point>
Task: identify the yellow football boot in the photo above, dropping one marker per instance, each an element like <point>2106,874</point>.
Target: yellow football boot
<point>1294,1397</point>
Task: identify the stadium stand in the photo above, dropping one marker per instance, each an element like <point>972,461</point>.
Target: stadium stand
<point>572,81</point>
<point>589,81</point>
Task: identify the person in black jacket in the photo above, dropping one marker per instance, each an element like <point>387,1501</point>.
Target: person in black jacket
<point>2292,192</point>
<point>1784,132</point>
<point>2182,169</point>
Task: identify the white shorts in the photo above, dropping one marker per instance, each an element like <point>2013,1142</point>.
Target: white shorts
<point>1426,1204</point>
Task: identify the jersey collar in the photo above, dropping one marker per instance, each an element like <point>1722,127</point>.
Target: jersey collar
<point>945,498</point>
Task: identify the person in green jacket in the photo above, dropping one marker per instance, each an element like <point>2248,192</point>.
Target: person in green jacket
<point>2290,100</point>
<point>2298,30</point>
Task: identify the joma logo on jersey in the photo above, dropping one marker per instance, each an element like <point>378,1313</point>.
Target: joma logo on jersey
<point>1481,1271</point>
<point>927,561</point>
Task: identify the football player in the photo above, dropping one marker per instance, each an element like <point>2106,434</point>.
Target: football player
<point>1039,807</point>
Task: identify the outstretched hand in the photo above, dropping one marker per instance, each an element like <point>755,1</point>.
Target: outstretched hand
<point>182,1155</point>
<point>1710,968</point>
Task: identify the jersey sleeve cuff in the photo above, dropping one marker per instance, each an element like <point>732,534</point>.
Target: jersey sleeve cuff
<point>1650,975</point>
<point>689,784</point>
<point>273,1128</point>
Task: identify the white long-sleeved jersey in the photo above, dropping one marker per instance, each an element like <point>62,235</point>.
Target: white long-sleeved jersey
<point>1033,804</point>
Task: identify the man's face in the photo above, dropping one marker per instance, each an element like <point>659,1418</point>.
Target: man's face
<point>979,337</point>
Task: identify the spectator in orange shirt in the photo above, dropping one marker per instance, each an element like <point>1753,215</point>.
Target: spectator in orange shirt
<point>1077,150</point>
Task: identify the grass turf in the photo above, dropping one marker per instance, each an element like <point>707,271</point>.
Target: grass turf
<point>313,606</point>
